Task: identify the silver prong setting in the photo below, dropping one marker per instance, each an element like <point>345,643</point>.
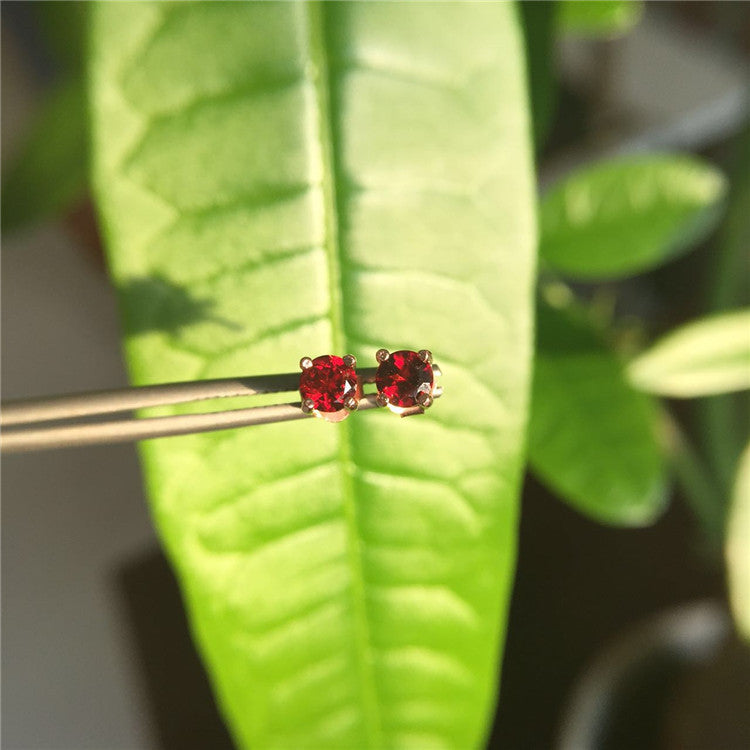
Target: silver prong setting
<point>308,405</point>
<point>382,355</point>
<point>424,400</point>
<point>381,399</point>
<point>424,397</point>
<point>305,363</point>
<point>351,404</point>
<point>350,360</point>
<point>425,355</point>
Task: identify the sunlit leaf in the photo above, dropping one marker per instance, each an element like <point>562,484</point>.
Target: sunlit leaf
<point>599,17</point>
<point>591,436</point>
<point>624,216</point>
<point>702,358</point>
<point>312,178</point>
<point>738,546</point>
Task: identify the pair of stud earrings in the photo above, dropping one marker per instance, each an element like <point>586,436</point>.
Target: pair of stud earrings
<point>331,387</point>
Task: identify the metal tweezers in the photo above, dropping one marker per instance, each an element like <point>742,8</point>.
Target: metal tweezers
<point>24,423</point>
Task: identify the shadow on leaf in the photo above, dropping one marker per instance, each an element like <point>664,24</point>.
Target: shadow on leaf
<point>152,303</point>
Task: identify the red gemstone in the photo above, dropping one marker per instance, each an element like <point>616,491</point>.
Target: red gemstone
<point>328,383</point>
<point>402,376</point>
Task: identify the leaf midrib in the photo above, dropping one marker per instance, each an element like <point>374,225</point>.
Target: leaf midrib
<point>334,254</point>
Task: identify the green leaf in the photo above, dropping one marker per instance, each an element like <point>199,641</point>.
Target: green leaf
<point>591,436</point>
<point>315,178</point>
<point>601,18</point>
<point>702,358</point>
<point>738,546</point>
<point>50,170</point>
<point>628,215</point>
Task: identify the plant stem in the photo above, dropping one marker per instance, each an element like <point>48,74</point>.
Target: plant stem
<point>695,480</point>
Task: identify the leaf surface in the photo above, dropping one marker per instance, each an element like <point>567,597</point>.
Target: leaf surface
<point>591,436</point>
<point>705,357</point>
<point>283,179</point>
<point>628,215</point>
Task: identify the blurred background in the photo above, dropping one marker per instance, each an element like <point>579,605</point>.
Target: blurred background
<point>95,648</point>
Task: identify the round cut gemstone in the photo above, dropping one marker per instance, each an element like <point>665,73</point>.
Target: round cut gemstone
<point>328,383</point>
<point>402,376</point>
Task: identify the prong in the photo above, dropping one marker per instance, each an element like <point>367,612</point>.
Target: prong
<point>305,363</point>
<point>351,404</point>
<point>425,355</point>
<point>382,354</point>
<point>436,370</point>
<point>350,360</point>
<point>381,399</point>
<point>308,405</point>
<point>424,399</point>
<point>437,391</point>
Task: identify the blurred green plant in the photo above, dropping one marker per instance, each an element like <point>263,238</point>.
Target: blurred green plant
<point>738,545</point>
<point>591,437</point>
<point>627,215</point>
<point>544,22</point>
<point>49,171</point>
<point>703,358</point>
<point>603,18</point>
<point>589,440</point>
<point>279,179</point>
<point>539,30</point>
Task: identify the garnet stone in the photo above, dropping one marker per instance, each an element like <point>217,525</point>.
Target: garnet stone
<point>328,383</point>
<point>402,376</point>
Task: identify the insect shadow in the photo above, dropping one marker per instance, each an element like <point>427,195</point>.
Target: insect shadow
<point>153,303</point>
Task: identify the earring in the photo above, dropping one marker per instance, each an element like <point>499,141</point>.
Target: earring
<point>406,380</point>
<point>329,387</point>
